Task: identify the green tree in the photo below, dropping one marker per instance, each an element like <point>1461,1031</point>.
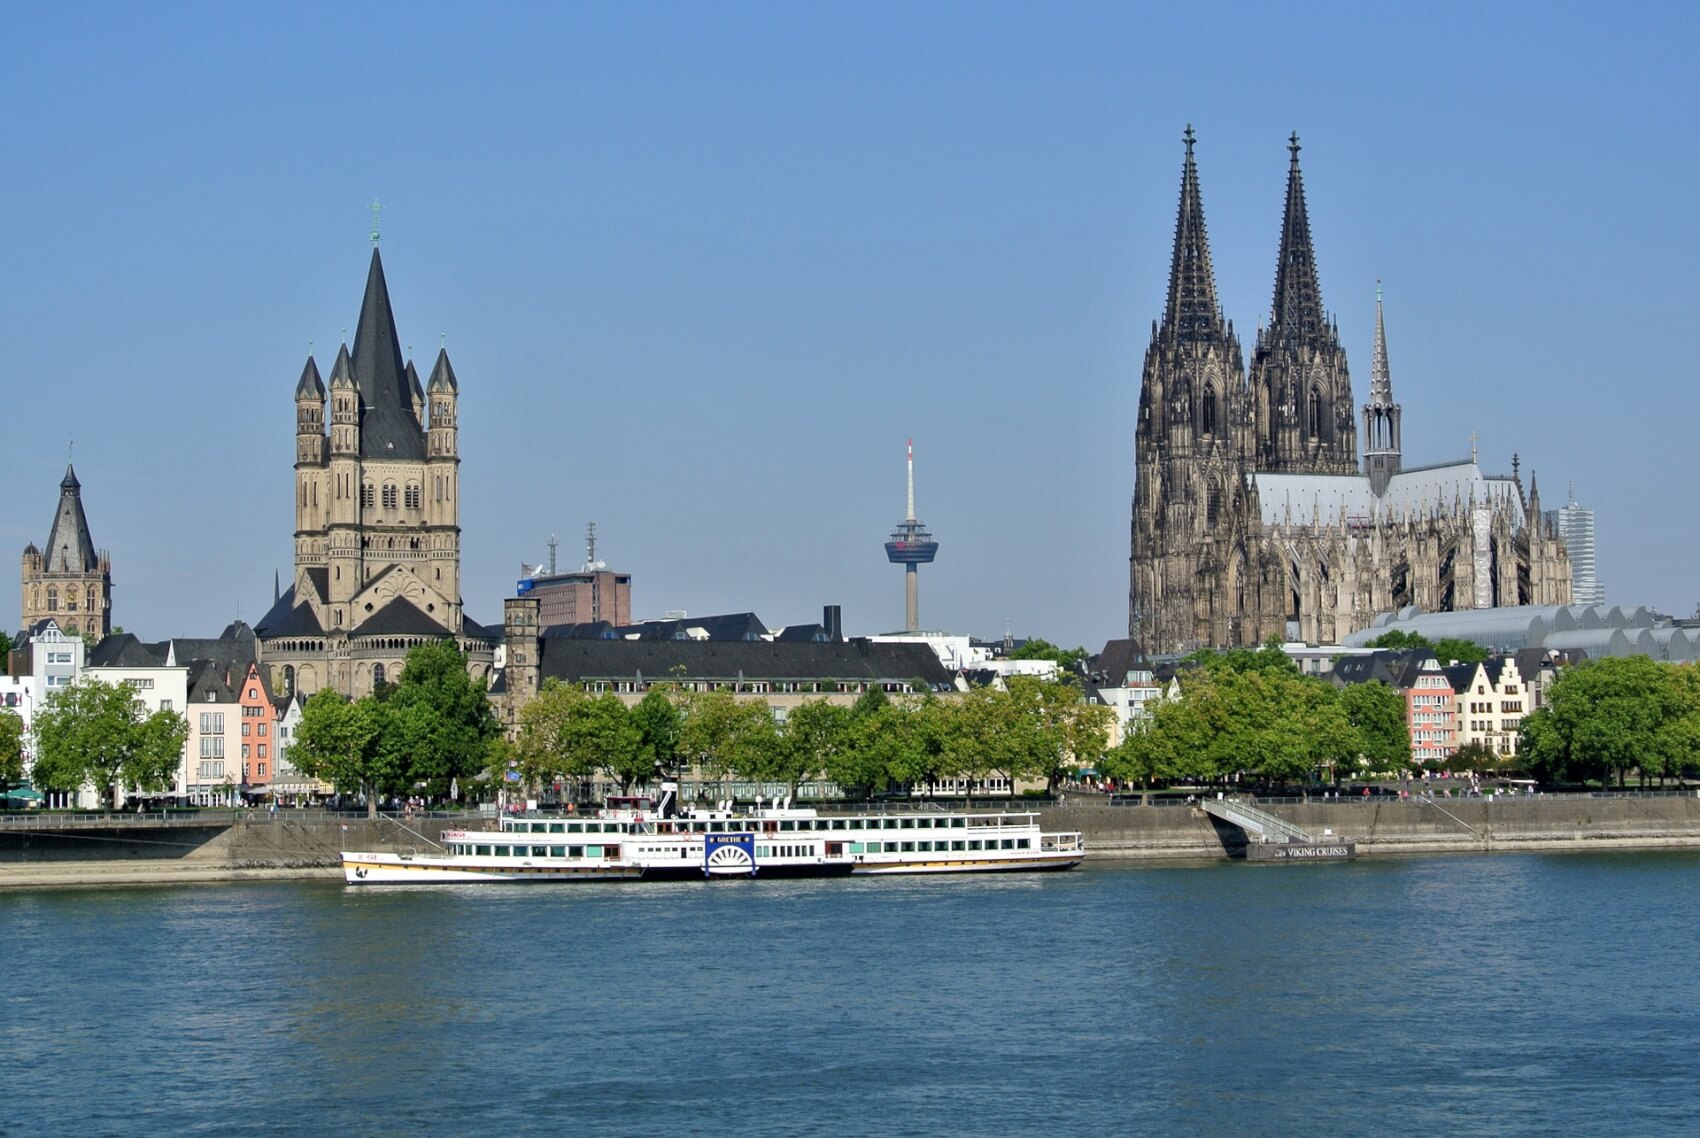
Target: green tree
<point>816,731</point>
<point>1270,722</point>
<point>100,734</point>
<point>1378,713</point>
<point>659,722</point>
<point>344,743</point>
<point>725,736</point>
<point>1266,657</point>
<point>1611,716</point>
<point>551,742</point>
<point>11,749</point>
<point>1069,661</point>
<point>1446,649</point>
<point>442,715</point>
<point>1063,729</point>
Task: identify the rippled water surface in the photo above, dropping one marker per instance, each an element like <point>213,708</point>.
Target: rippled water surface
<point>1484,995</point>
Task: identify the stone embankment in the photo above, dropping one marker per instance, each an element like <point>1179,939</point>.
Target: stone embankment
<point>123,851</point>
<point>1381,826</point>
<point>228,847</point>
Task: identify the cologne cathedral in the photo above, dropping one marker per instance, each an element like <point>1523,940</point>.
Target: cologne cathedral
<point>1253,513</point>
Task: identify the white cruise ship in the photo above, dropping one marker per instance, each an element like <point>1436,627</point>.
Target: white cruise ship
<point>640,839</point>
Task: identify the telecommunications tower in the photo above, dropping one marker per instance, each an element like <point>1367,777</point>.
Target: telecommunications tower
<point>911,546</point>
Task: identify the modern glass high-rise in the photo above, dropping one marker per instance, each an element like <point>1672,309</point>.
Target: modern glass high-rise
<point>1575,524</point>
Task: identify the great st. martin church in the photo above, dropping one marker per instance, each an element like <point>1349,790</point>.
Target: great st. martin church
<point>1251,515</point>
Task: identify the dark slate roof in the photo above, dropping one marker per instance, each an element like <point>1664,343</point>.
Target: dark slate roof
<point>577,660</point>
<point>583,630</point>
<point>126,650</point>
<point>310,386</point>
<point>414,391</point>
<point>286,618</point>
<point>472,630</point>
<point>342,372</point>
<point>1461,676</point>
<point>802,634</point>
<point>1119,657</point>
<point>70,549</point>
<point>401,617</point>
<point>387,426</point>
<point>730,626</point>
<point>443,375</point>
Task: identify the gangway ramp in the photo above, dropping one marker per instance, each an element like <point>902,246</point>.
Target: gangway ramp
<point>1276,838</point>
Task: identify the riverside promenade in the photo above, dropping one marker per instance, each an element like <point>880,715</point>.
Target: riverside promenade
<point>162,849</point>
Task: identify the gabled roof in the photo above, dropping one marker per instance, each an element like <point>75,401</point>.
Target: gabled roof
<point>286,618</point>
<point>387,426</point>
<point>1118,658</point>
<point>126,650</point>
<point>70,549</point>
<point>400,617</point>
<point>802,634</point>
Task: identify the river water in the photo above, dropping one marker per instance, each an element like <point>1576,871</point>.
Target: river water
<point>1511,994</point>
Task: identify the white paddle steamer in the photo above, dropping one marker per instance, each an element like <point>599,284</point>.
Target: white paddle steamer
<point>637,839</point>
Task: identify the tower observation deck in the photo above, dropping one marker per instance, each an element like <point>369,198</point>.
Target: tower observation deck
<point>911,546</point>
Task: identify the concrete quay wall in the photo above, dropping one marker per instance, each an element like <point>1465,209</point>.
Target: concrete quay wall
<point>1390,826</point>
<point>261,847</point>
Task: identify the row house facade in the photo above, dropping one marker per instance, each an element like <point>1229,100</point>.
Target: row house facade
<point>1490,700</point>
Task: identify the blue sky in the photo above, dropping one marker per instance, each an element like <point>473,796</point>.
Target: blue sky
<point>702,269</point>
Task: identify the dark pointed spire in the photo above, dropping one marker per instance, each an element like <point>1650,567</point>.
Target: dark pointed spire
<point>388,428</point>
<point>414,391</point>
<point>342,372</point>
<point>443,375</point>
<point>70,549</point>
<point>311,386</point>
<point>1297,313</point>
<point>1380,379</point>
<point>1192,313</point>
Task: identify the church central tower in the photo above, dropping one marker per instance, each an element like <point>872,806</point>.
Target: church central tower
<point>377,514</point>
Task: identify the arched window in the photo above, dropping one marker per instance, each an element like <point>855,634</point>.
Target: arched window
<point>289,679</point>
<point>377,676</point>
<point>1213,506</point>
<point>1315,413</point>
<point>367,496</point>
<point>1209,409</point>
<point>413,495</point>
<point>52,599</point>
<point>389,496</point>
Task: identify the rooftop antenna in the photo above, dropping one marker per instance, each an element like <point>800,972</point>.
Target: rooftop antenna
<point>376,209</point>
<point>553,544</point>
<point>1472,446</point>
<point>590,562</point>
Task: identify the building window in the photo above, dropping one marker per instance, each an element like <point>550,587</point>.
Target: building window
<point>367,496</point>
<point>378,675</point>
<point>389,496</point>
<point>52,599</point>
<point>262,755</point>
<point>413,495</point>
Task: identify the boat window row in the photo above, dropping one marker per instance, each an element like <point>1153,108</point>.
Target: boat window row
<point>570,827</point>
<point>958,846</point>
<point>539,851</point>
<point>785,851</point>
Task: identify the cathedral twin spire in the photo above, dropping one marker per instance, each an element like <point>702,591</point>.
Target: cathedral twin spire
<point>1193,313</point>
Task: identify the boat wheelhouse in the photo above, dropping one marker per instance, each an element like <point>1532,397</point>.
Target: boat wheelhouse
<point>639,839</point>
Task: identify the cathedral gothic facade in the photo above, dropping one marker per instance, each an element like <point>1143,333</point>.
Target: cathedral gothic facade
<point>377,518</point>
<point>1253,515</point>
